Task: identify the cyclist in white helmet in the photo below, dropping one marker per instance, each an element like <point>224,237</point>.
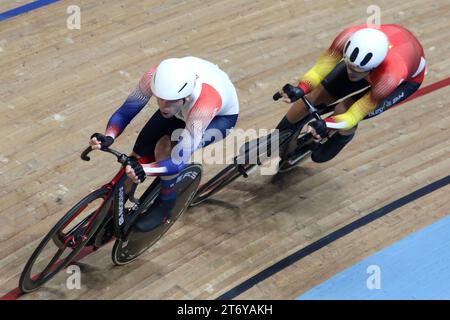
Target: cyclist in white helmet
<point>375,67</point>
<point>193,96</point>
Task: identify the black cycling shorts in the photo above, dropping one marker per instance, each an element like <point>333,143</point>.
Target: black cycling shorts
<point>158,126</point>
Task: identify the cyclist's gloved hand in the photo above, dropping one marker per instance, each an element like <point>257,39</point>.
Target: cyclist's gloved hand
<point>290,93</point>
<point>137,172</point>
<point>101,141</point>
<point>319,129</point>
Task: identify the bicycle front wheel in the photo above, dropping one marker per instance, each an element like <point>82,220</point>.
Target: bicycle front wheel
<point>64,241</point>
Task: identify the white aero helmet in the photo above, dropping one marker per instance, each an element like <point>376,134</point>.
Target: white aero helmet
<point>366,49</point>
<point>173,79</point>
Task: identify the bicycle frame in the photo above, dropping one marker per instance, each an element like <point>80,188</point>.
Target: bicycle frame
<point>106,220</point>
<point>116,197</point>
<point>261,148</point>
<point>283,137</point>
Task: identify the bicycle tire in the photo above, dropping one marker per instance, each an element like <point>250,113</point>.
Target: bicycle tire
<point>150,195</point>
<point>28,282</point>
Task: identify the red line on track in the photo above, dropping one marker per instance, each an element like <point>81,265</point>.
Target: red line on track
<point>16,293</point>
<point>430,88</point>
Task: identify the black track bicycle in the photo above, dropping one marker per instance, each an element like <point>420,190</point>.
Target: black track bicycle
<point>107,214</point>
<point>293,145</point>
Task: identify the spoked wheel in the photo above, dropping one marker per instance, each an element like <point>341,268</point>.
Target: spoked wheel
<point>64,241</point>
<point>219,181</point>
<point>127,250</point>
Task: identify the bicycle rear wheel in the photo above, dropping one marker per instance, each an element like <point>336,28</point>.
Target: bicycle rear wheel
<point>127,250</point>
<point>68,237</point>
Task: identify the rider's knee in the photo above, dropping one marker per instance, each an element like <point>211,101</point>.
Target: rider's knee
<point>163,148</point>
<point>134,154</point>
<point>320,96</point>
<point>339,109</point>
<point>284,123</point>
<point>343,106</point>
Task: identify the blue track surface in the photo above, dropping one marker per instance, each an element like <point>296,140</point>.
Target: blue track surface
<point>416,267</point>
<point>326,240</point>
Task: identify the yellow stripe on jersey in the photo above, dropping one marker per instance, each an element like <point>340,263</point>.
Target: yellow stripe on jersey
<point>326,62</point>
<point>358,111</point>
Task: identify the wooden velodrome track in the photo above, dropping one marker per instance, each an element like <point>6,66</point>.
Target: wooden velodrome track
<point>61,85</point>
